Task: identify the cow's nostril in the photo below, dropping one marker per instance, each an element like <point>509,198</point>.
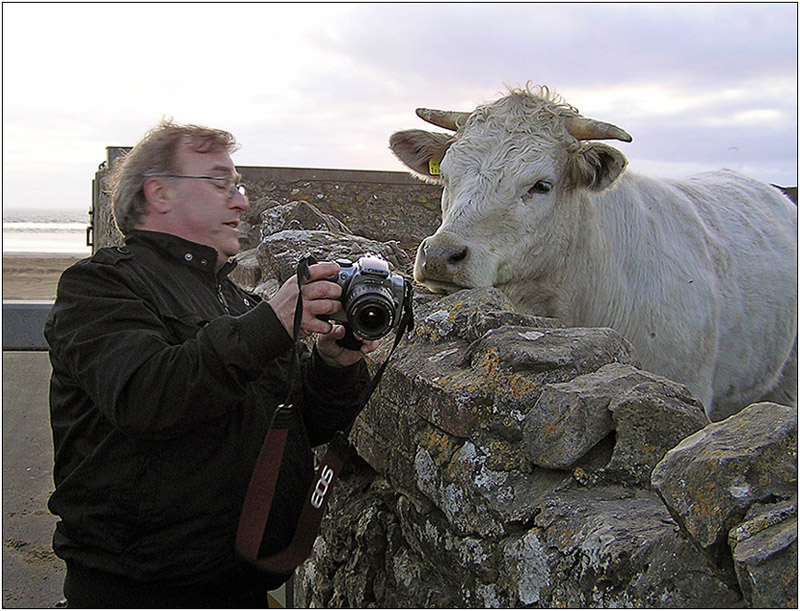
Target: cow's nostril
<point>457,256</point>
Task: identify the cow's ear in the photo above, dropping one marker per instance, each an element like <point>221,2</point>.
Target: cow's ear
<point>421,152</point>
<point>595,166</point>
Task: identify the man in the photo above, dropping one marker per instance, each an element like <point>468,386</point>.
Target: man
<point>165,379</point>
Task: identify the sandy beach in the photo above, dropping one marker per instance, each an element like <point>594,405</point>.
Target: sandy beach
<point>33,275</point>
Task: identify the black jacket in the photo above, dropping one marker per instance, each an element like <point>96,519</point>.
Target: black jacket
<point>165,378</point>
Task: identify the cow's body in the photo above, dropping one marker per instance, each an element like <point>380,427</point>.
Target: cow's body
<point>700,274</point>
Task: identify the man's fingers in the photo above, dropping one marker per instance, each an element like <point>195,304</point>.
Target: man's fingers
<point>321,307</point>
<point>320,297</point>
<point>320,271</point>
<point>321,290</point>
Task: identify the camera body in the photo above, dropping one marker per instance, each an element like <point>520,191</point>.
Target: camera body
<point>373,298</point>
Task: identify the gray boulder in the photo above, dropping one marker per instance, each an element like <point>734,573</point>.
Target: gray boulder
<point>764,549</point>
<point>267,216</point>
<point>297,215</point>
<point>732,488</point>
<point>650,415</point>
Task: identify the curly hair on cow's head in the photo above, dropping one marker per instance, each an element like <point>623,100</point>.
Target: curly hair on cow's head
<point>155,153</point>
<point>543,92</point>
<point>529,108</point>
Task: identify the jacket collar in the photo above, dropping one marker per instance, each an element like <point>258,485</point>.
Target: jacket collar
<point>188,253</point>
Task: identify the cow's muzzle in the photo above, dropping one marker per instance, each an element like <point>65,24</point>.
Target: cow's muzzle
<point>441,258</point>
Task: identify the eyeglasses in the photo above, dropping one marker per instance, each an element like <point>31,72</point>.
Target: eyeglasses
<point>229,185</point>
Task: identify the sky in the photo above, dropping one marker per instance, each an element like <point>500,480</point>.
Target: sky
<point>698,86</point>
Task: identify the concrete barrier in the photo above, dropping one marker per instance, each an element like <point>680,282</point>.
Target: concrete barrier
<point>23,324</point>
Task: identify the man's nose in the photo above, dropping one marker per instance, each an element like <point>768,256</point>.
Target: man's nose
<point>240,201</point>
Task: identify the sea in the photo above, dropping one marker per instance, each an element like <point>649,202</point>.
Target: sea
<point>45,230</point>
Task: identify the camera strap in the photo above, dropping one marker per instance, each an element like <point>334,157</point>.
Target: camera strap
<point>261,490</point>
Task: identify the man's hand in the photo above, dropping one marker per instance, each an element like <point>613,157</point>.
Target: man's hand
<point>333,354</point>
<point>320,298</point>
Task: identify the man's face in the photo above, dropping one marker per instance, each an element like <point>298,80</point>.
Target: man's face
<point>205,211</point>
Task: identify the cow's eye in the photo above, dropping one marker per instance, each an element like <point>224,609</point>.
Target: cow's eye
<point>540,187</point>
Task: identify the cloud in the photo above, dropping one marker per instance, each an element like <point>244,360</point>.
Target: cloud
<point>324,85</point>
<point>572,45</point>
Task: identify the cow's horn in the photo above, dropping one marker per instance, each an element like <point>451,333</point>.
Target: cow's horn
<point>448,119</point>
<point>589,129</point>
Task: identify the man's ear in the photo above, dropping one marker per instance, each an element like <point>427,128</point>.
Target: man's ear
<point>421,152</point>
<point>158,194</point>
<point>595,166</point>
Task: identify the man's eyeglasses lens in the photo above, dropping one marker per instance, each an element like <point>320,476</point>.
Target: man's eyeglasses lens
<point>230,186</point>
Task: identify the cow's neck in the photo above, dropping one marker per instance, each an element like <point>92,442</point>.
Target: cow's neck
<point>615,253</point>
<point>582,288</point>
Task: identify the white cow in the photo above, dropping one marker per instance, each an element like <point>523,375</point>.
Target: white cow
<point>699,274</point>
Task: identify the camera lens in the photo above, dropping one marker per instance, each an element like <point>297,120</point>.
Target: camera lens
<point>370,311</point>
<point>373,319</point>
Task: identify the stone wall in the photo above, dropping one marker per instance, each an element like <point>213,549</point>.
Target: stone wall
<point>506,461</point>
<point>104,231</point>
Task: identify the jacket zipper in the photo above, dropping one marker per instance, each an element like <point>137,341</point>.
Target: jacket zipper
<point>222,300</point>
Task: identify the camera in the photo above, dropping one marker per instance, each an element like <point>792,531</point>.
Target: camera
<point>374,300</point>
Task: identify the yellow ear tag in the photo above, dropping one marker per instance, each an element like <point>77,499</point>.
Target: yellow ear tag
<point>433,167</point>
